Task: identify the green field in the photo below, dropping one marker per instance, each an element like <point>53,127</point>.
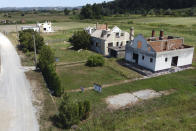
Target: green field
<point>33,16</point>
<point>77,76</point>
<point>173,112</point>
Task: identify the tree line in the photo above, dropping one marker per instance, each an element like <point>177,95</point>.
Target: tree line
<point>46,61</point>
<point>96,11</point>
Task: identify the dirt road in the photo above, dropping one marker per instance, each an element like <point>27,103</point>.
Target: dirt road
<point>16,110</point>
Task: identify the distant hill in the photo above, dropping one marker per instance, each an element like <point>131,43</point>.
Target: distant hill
<point>96,11</point>
<point>128,5</point>
<point>36,8</point>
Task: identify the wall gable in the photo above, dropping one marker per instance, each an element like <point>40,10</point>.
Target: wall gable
<point>141,43</point>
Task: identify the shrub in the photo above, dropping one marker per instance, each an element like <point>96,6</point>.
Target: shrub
<point>46,57</point>
<point>130,22</point>
<point>71,112</point>
<point>68,113</point>
<point>27,42</point>
<point>84,109</point>
<point>66,11</point>
<point>94,61</point>
<point>47,67</point>
<point>80,40</point>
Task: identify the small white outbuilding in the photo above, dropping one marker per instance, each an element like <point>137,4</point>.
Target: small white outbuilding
<point>35,28</point>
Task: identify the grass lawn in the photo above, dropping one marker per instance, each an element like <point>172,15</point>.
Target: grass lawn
<point>174,112</point>
<point>68,55</point>
<point>70,25</point>
<point>77,76</point>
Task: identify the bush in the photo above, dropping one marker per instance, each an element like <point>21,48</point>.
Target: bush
<point>47,67</point>
<point>80,40</point>
<point>130,22</point>
<point>68,113</point>
<point>66,11</point>
<point>46,57</point>
<point>27,42</point>
<point>71,112</point>
<point>95,61</point>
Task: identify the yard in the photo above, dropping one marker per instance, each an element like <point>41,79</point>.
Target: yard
<point>77,76</point>
<point>173,112</point>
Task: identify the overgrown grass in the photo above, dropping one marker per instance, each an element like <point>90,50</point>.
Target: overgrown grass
<point>77,76</point>
<point>173,112</point>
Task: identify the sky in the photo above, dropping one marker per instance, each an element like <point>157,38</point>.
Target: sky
<point>47,3</point>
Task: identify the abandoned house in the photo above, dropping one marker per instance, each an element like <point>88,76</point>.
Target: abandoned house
<point>45,27</point>
<point>40,27</point>
<point>159,53</point>
<point>104,39</point>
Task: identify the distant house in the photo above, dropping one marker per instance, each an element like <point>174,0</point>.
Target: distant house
<point>35,28</point>
<point>3,21</point>
<point>45,27</point>
<point>40,27</point>
<point>104,39</point>
<point>159,53</point>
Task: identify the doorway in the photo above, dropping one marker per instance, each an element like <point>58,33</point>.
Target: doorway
<point>135,57</point>
<point>113,53</point>
<point>174,61</point>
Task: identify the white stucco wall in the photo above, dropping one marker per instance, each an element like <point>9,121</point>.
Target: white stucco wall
<point>146,62</point>
<point>185,57</point>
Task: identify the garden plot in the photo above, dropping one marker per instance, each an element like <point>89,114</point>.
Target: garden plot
<point>129,99</point>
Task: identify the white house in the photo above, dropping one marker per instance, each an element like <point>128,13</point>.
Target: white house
<point>40,27</point>
<point>35,28</point>
<point>103,38</point>
<point>159,53</point>
<point>45,27</point>
<point>90,30</point>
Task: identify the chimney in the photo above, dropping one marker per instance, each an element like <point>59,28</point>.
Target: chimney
<point>132,33</point>
<point>97,25</point>
<point>153,33</point>
<point>161,35</point>
<point>106,26</point>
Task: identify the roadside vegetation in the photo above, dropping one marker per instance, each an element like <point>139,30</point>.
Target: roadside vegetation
<point>71,112</point>
<point>27,41</point>
<point>47,66</point>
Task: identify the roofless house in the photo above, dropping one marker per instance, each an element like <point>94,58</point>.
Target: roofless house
<point>159,53</point>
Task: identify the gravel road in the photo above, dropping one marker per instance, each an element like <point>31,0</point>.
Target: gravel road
<point>16,110</point>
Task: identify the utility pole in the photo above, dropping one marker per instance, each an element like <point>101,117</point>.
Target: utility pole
<point>35,53</point>
<point>17,35</point>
